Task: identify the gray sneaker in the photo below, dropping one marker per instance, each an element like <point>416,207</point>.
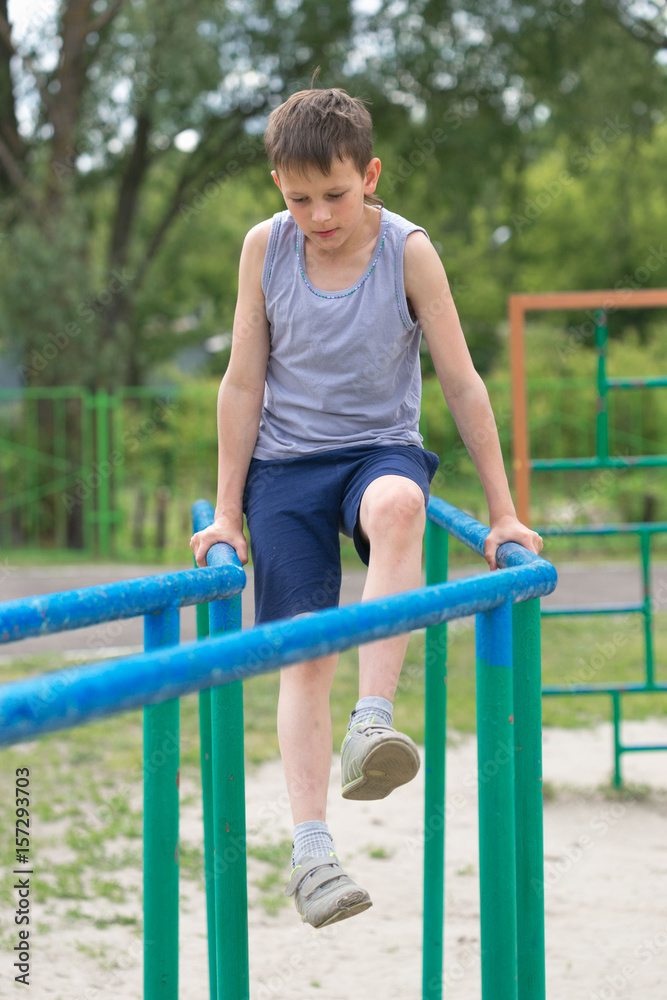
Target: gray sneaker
<point>324,893</point>
<point>376,759</point>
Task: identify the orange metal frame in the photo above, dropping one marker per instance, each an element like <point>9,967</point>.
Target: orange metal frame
<point>610,301</point>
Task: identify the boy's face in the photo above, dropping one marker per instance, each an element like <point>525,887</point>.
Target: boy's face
<point>328,207</point>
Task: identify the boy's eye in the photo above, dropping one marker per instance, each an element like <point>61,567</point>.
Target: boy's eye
<point>299,201</point>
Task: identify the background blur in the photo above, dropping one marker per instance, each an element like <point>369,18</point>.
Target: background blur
<point>529,138</point>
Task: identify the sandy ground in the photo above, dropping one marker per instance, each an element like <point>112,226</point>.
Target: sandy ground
<point>605,874</point>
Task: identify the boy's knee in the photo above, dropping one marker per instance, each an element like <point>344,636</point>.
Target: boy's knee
<point>395,505</point>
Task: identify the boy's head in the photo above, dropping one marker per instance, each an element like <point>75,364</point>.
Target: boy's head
<point>313,128</point>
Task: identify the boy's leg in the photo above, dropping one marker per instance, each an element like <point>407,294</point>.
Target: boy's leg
<point>292,508</point>
<point>375,758</point>
<point>323,892</point>
<point>392,517</point>
<point>304,734</point>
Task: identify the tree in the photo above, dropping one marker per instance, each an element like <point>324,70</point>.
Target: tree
<point>124,118</point>
<point>126,94</point>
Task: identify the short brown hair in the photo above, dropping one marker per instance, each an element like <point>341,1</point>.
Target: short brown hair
<point>314,126</point>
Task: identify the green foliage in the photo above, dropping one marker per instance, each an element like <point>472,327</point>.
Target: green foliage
<point>149,163</point>
<point>530,142</point>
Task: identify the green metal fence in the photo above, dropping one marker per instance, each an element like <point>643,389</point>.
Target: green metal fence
<point>611,447</point>
<point>107,474</point>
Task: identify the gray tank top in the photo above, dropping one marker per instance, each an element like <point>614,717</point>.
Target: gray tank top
<point>343,367</point>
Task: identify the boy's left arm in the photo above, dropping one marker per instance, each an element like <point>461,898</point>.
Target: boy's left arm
<point>429,295</point>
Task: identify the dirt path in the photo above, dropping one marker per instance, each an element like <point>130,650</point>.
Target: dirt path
<point>605,890</point>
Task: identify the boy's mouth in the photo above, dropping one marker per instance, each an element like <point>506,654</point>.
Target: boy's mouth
<point>326,232</point>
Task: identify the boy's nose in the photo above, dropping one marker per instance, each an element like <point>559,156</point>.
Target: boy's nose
<point>321,213</point>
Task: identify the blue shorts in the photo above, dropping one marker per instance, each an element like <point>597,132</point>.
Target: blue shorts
<point>295,509</point>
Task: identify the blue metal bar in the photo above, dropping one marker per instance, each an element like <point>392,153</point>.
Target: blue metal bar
<point>73,696</point>
<point>497,841</point>
<point>71,609</point>
<point>473,534</point>
<point>160,768</point>
<point>459,524</point>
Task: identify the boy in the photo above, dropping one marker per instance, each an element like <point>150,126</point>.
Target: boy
<point>318,417</point>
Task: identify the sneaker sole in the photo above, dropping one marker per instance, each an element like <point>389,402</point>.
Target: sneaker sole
<point>349,910</point>
<point>391,764</point>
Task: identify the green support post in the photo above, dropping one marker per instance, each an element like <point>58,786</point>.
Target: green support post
<point>616,712</point>
<point>103,404</point>
<point>60,440</point>
<point>528,799</point>
<point>645,548</point>
<point>33,471</point>
<point>87,449</point>
<point>206,754</point>
<point>160,765</point>
<point>230,870</point>
<point>602,416</point>
<point>435,739</point>
<point>497,847</point>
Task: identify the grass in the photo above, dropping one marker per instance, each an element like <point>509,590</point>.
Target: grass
<point>271,884</point>
<point>574,650</point>
<point>592,649</point>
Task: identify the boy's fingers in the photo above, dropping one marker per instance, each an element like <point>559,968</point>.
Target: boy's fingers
<point>200,546</point>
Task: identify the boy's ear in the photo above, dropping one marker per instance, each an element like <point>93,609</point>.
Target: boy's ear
<point>274,174</point>
<point>372,175</point>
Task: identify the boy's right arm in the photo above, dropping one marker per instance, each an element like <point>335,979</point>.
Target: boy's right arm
<point>240,401</point>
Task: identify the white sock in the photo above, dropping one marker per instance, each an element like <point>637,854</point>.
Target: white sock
<point>311,839</point>
<point>373,708</point>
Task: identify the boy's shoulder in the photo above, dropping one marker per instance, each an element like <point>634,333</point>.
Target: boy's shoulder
<point>257,238</point>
